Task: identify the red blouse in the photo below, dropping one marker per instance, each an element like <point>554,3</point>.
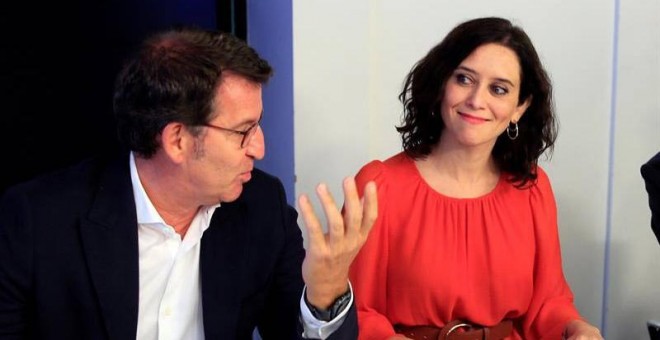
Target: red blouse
<point>430,258</point>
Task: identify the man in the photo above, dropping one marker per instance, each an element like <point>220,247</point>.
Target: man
<point>651,175</point>
<point>181,238</point>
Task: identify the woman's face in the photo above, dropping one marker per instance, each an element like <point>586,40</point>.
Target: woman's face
<point>481,97</point>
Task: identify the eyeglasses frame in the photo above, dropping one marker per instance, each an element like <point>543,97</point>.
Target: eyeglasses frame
<point>247,133</point>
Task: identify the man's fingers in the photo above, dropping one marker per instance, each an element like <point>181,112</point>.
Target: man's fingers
<point>352,207</point>
<point>332,213</point>
<point>358,216</point>
<point>312,224</point>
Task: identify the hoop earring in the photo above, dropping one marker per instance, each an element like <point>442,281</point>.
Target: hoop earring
<point>512,133</point>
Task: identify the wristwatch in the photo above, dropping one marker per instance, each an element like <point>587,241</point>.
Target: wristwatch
<point>337,307</point>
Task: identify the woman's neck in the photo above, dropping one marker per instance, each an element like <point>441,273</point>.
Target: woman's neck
<point>461,172</point>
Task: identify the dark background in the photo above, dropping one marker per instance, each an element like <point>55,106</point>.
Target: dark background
<point>59,62</point>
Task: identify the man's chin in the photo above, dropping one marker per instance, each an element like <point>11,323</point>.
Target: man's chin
<point>230,197</point>
<point>246,177</point>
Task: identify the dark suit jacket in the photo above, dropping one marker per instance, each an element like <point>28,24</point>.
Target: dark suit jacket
<point>69,260</point>
<point>651,174</point>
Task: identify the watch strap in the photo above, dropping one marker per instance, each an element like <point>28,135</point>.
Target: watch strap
<point>335,309</point>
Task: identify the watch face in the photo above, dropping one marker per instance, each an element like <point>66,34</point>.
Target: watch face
<point>339,304</point>
<point>335,309</point>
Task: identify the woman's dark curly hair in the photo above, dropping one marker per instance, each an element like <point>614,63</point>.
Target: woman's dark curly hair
<point>424,88</point>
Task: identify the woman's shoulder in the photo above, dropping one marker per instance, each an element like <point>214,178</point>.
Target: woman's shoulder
<point>539,180</point>
<point>378,169</point>
<point>541,189</point>
<point>537,188</point>
<point>542,180</point>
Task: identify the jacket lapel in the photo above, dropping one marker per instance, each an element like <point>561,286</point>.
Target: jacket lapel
<point>222,260</point>
<point>109,235</point>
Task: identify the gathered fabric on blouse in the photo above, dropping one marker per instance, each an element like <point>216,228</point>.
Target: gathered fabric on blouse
<point>431,259</point>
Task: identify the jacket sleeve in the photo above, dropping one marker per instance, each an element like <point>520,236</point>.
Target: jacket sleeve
<point>349,328</point>
<point>281,319</point>
<point>15,267</point>
<point>651,174</point>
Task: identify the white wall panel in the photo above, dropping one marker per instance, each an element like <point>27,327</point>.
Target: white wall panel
<point>331,91</point>
<point>634,261</point>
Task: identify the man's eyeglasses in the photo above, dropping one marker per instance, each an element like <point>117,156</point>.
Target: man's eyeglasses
<point>247,134</point>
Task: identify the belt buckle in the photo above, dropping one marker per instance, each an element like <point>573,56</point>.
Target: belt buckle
<point>458,326</point>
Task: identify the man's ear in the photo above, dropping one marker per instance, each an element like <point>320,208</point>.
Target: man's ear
<point>173,140</point>
<point>520,109</point>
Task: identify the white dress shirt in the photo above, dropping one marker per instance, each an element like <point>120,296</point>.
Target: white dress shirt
<point>170,301</point>
<point>170,304</point>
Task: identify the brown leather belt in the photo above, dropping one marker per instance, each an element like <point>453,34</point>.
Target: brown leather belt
<point>457,330</point>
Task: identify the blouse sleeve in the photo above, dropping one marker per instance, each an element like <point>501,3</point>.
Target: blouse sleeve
<point>552,305</point>
<point>368,271</point>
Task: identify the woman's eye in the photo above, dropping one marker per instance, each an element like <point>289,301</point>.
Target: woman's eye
<point>499,90</point>
<point>463,79</point>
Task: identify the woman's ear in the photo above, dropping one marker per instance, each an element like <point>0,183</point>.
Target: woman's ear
<point>520,109</point>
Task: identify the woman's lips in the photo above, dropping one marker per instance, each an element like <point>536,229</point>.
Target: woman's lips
<point>472,119</point>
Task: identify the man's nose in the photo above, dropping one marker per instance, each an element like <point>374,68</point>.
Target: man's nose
<point>256,147</point>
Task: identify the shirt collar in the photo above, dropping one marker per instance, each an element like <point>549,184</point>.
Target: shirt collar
<point>145,210</point>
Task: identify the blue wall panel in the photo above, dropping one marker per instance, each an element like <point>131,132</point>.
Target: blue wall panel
<point>269,31</point>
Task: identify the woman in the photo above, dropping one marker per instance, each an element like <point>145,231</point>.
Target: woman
<point>466,239</point>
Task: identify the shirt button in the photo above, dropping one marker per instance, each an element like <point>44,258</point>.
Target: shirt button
<point>168,311</point>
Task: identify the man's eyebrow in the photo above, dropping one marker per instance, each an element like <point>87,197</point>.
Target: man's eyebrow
<point>249,122</point>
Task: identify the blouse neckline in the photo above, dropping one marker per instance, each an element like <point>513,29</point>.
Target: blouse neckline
<point>501,182</point>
